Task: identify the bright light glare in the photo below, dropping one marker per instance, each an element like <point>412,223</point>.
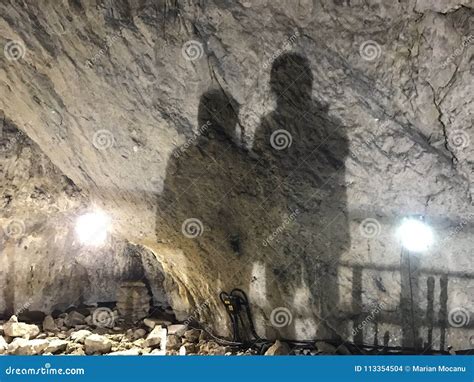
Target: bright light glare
<point>91,228</point>
<point>415,235</point>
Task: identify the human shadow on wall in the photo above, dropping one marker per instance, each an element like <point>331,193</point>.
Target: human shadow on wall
<point>195,212</point>
<point>306,150</point>
<point>221,203</point>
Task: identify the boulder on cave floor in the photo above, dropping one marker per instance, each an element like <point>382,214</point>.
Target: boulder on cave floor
<point>56,346</point>
<point>13,328</point>
<point>22,346</point>
<point>96,343</point>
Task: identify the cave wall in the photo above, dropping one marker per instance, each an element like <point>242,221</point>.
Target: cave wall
<point>44,267</point>
<point>111,92</point>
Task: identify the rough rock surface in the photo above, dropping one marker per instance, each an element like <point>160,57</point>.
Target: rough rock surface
<point>96,343</point>
<point>119,110</point>
<point>13,328</point>
<point>37,243</point>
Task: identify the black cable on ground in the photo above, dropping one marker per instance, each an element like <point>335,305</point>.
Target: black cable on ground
<point>237,299</point>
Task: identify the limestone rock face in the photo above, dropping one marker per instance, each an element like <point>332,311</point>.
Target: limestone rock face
<point>252,144</point>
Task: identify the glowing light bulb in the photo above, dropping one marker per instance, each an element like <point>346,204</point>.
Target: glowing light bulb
<point>92,228</point>
<point>415,235</point>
